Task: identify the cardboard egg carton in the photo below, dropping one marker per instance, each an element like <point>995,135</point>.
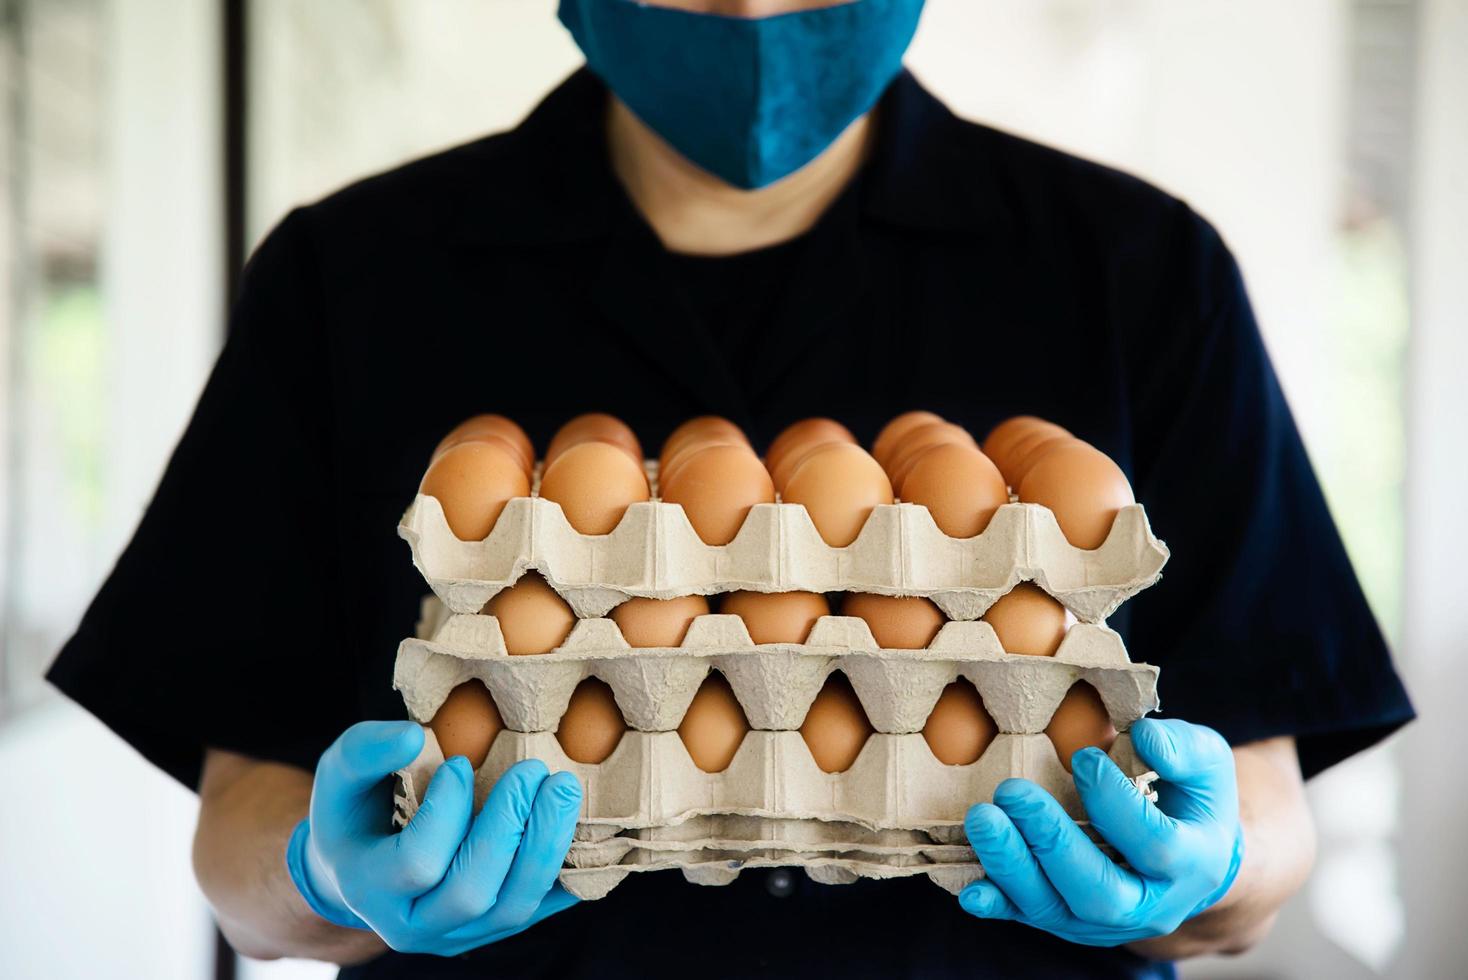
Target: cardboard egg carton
<point>655,552</point>
<point>715,866</point>
<point>727,831</point>
<point>733,831</point>
<point>815,838</point>
<point>774,683</point>
<point>650,781</point>
<point>714,849</point>
<point>802,834</point>
<point>949,866</point>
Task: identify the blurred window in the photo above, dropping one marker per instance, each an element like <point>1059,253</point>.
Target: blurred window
<point>52,338</point>
<point>342,88</point>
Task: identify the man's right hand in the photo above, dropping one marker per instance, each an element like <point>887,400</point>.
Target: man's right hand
<point>450,881</point>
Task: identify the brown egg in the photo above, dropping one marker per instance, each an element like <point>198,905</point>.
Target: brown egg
<point>504,444</point>
<point>1082,487</point>
<point>695,434</point>
<point>777,617</point>
<point>716,486</point>
<point>492,428</point>
<point>959,728</point>
<point>839,484</point>
<point>1001,442</point>
<point>595,483</point>
<point>919,440</point>
<point>836,726</point>
<point>790,462</point>
<point>704,428</point>
<point>467,723</point>
<point>668,476</point>
<point>533,618</point>
<point>897,622</point>
<point>894,431</point>
<point>1079,721</point>
<point>714,725</point>
<point>959,486</point>
<point>473,481</point>
<point>594,427</point>
<point>592,725</point>
<point>658,622</point>
<point>668,469</point>
<point>802,436</point>
<point>1027,620</point>
<point>1029,451</point>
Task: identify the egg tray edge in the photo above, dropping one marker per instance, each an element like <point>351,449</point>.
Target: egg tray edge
<point>774,683</point>
<point>718,868</point>
<point>655,552</point>
<point>895,783</point>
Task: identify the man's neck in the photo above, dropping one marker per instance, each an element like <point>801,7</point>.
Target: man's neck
<point>694,212</point>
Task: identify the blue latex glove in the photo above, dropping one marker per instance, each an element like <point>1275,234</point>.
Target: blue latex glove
<point>450,881</point>
<point>1184,851</point>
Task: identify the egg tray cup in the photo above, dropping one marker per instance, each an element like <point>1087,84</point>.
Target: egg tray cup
<point>655,552</point>
<point>773,807</point>
<point>895,783</point>
<point>774,683</point>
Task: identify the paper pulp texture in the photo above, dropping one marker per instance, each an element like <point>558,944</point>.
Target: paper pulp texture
<point>654,552</point>
<point>775,683</point>
<point>713,850</point>
<point>650,782</point>
<point>897,811</point>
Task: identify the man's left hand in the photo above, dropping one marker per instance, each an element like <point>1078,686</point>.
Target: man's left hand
<point>1184,850</point>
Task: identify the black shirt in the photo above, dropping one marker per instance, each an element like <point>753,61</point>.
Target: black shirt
<point>734,298</point>
<point>259,606</point>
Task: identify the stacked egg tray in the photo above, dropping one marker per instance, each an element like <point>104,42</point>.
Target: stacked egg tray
<point>897,810</point>
<point>655,552</point>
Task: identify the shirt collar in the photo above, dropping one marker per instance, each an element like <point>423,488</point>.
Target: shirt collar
<point>928,170</point>
<point>924,173</point>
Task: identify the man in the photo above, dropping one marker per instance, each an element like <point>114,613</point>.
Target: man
<point>740,208</point>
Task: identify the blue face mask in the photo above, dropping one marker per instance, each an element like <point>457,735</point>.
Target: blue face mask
<point>750,100</point>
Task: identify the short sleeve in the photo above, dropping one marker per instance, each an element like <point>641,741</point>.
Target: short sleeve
<point>213,629</point>
<point>1259,623</point>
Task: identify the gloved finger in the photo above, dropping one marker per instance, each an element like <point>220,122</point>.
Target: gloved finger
<point>482,931</point>
<point>984,899</point>
<point>347,798</point>
<point>1009,864</point>
<point>417,858</point>
<point>548,835</point>
<point>473,882</point>
<point>1094,887</point>
<point>1195,763</point>
<point>556,900</point>
<point>1146,837</point>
